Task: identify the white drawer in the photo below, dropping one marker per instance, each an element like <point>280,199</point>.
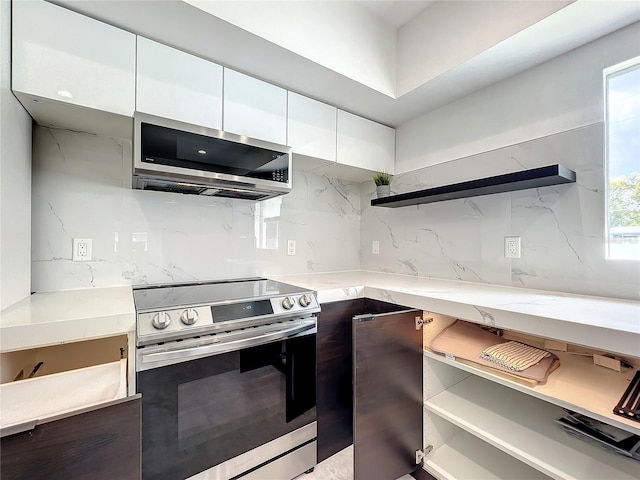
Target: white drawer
<point>40,398</point>
<point>71,377</point>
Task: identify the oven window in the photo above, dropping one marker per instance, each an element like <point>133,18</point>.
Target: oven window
<point>200,413</point>
<point>213,408</point>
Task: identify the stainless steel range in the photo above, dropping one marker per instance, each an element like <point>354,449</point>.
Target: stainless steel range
<point>227,372</point>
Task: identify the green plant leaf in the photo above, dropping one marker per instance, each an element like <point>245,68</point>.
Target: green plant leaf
<point>382,178</point>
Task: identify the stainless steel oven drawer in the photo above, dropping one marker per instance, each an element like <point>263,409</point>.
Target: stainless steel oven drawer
<point>283,467</point>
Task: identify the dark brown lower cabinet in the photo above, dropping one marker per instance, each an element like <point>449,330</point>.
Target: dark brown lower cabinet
<point>387,351</point>
<point>335,366</point>
<point>96,444</point>
<point>334,408</point>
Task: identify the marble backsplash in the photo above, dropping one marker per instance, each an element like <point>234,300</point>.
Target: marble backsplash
<point>561,227</point>
<point>81,189</point>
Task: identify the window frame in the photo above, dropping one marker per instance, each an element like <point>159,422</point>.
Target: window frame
<point>607,74</point>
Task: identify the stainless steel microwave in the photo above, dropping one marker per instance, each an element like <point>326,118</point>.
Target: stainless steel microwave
<point>178,157</point>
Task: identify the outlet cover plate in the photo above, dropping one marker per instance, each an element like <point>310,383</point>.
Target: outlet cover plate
<point>375,247</point>
<point>81,250</point>
<point>512,247</point>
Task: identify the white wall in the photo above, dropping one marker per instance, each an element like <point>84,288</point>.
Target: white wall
<point>342,36</point>
<point>15,179</point>
<point>79,190</point>
<point>558,95</point>
<point>550,114</point>
<point>448,34</point>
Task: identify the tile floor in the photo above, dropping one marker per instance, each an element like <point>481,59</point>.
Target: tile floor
<point>337,467</point>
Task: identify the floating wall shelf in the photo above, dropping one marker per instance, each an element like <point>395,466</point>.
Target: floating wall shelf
<point>534,178</point>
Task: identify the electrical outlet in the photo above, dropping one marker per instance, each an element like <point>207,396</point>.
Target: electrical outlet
<point>291,247</point>
<point>375,247</point>
<point>81,250</point>
<point>512,247</point>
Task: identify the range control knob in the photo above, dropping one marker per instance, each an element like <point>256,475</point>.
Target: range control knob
<point>161,320</point>
<point>189,316</point>
<point>288,303</point>
<point>304,300</point>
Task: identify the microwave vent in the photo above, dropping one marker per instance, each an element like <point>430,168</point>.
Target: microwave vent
<point>233,193</point>
<point>173,188</point>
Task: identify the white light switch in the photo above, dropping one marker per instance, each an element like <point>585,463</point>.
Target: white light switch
<point>375,247</point>
<point>291,247</point>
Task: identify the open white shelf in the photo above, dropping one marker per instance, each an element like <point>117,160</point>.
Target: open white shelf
<point>465,457</point>
<point>523,427</point>
<point>577,384</point>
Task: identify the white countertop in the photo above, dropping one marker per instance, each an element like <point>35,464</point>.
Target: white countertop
<point>52,318</point>
<point>606,323</point>
<point>610,324</point>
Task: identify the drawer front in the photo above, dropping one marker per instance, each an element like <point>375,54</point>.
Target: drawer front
<point>100,443</point>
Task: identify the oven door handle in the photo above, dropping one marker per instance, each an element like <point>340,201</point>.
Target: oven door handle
<point>218,346</point>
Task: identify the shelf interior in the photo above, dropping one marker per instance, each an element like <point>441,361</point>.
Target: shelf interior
<point>537,177</point>
<point>465,457</point>
<point>577,384</point>
<point>523,427</point>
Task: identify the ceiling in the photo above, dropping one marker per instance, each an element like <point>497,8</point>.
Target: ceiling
<point>396,13</point>
<point>428,52</point>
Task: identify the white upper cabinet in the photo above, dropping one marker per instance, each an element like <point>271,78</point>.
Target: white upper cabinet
<point>311,127</point>
<point>177,85</point>
<point>365,144</point>
<point>64,56</point>
<point>254,108</point>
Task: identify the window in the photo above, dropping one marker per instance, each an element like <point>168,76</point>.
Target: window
<point>622,87</point>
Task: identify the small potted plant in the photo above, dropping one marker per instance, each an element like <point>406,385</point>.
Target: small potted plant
<point>382,181</point>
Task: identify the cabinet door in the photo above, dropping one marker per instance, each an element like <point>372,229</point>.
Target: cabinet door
<point>387,352</point>
<point>64,56</point>
<point>98,444</point>
<point>335,371</point>
<point>176,85</point>
<point>254,108</point>
<point>311,127</point>
<point>365,144</point>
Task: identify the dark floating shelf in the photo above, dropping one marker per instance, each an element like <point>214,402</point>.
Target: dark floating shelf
<point>534,178</point>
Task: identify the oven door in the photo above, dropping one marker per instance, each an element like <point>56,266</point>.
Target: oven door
<point>200,413</point>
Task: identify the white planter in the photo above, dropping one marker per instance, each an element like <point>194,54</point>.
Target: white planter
<point>383,190</point>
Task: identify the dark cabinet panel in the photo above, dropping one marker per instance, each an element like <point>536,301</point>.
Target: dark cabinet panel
<point>98,444</point>
<point>422,474</point>
<point>388,394</point>
<point>335,365</point>
<point>334,401</point>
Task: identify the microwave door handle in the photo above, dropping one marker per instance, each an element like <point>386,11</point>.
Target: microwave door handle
<point>221,346</point>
